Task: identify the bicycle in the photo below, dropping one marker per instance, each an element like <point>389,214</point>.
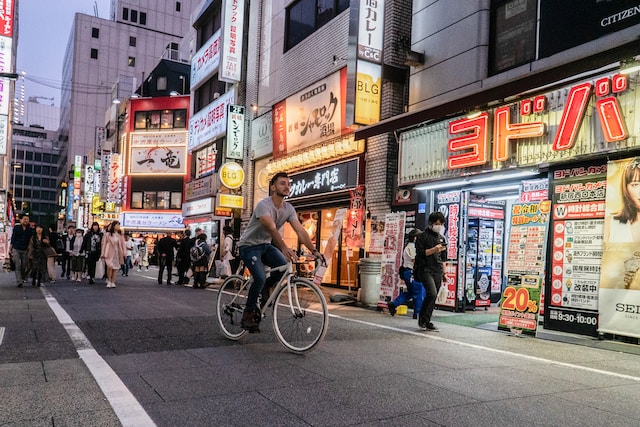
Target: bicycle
<point>300,312</point>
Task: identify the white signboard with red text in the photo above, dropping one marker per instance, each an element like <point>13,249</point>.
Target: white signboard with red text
<point>312,115</point>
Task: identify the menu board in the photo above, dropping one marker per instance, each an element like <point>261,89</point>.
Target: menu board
<point>578,197</point>
<point>525,267</point>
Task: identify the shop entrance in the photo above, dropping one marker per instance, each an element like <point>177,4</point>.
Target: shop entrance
<point>342,271</point>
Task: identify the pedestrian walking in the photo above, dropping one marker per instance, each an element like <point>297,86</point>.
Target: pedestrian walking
<point>20,238</point>
<point>415,289</point>
<point>143,252</point>
<point>77,255</point>
<point>113,251</point>
<point>128,259</point>
<point>55,243</point>
<point>183,260</point>
<point>92,246</point>
<point>36,255</point>
<point>227,250</point>
<point>66,252</point>
<point>164,249</point>
<point>431,253</point>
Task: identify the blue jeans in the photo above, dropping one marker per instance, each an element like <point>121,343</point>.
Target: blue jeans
<point>415,290</point>
<point>255,258</point>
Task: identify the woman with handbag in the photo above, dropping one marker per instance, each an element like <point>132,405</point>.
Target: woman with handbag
<point>37,259</point>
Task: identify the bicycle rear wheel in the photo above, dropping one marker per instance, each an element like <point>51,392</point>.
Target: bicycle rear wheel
<point>232,298</point>
<point>300,315</point>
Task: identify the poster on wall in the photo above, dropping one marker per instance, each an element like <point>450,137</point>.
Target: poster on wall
<point>525,267</point>
<point>619,296</point>
<point>578,197</point>
<point>354,233</point>
<point>449,203</point>
<point>392,254</point>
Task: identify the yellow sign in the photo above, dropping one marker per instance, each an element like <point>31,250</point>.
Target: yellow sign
<point>232,175</point>
<point>368,82</point>
<point>96,205</point>
<point>230,201</point>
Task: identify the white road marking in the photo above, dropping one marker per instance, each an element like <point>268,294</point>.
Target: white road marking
<point>124,404</point>
<point>430,335</point>
<point>1,334</point>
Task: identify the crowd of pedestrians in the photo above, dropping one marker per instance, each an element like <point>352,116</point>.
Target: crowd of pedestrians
<point>103,253</point>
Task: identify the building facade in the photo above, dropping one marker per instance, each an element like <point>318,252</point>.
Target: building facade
<point>527,121</point>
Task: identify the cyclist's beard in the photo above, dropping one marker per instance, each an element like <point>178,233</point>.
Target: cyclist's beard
<point>279,194</point>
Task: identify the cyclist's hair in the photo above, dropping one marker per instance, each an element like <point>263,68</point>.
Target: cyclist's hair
<point>276,176</point>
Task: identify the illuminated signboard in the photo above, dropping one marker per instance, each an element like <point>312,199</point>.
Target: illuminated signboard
<point>210,122</point>
<point>232,30</point>
<point>206,60</point>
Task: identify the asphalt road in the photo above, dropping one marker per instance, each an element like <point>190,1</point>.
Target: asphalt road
<point>148,354</point>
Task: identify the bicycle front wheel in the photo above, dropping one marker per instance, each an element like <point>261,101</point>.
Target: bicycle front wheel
<point>300,315</point>
<point>232,298</point>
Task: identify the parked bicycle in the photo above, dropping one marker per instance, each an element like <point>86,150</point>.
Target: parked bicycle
<point>300,312</point>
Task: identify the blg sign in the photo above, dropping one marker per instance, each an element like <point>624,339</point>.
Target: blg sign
<point>473,146</point>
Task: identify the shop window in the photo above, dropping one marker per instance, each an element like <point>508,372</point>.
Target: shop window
<point>176,200</point>
<point>132,61</point>
<point>94,53</point>
<point>180,119</point>
<point>304,17</point>
<point>95,33</point>
<point>141,120</point>
<point>149,201</point>
<point>163,199</point>
<point>132,41</point>
<point>512,34</point>
<point>166,119</point>
<point>136,200</point>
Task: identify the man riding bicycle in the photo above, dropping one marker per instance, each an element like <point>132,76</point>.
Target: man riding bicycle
<point>262,244</point>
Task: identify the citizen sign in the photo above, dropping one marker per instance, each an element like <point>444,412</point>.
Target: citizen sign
<point>474,143</point>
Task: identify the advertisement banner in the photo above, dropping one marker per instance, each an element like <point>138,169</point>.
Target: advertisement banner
<point>207,160</point>
<point>235,132</point>
<point>89,182</point>
<point>578,197</point>
<point>371,30</point>
<point>619,296</point>
<point>6,18</point>
<point>114,174</point>
<point>206,60</point>
<point>332,178</point>
<point>4,128</point>
<point>261,136</point>
<point>210,122</point>
<point>354,234</point>
<point>158,160</point>
<point>526,258</point>
<point>392,254</point>
<point>312,115</point>
<point>152,220</point>
<point>449,202</point>
<point>232,31</point>
<point>160,139</point>
<point>368,94</point>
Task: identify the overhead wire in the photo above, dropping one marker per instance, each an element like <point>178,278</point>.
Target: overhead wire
<point>88,89</point>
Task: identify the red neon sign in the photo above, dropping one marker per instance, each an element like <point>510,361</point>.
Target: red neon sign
<point>475,141</point>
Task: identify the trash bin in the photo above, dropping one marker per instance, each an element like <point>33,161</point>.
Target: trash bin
<point>370,276</point>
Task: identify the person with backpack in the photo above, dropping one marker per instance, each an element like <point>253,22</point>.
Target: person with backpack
<point>415,290</point>
<point>227,250</point>
<point>199,255</point>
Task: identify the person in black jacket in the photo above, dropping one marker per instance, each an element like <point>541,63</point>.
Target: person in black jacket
<point>91,246</point>
<point>183,262</point>
<point>164,248</point>
<point>431,249</point>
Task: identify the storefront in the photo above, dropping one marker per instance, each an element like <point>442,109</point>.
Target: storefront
<point>542,159</point>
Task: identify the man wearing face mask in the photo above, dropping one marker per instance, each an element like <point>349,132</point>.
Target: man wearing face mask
<point>431,254</point>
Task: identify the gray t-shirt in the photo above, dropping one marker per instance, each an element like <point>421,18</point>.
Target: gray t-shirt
<point>255,233</point>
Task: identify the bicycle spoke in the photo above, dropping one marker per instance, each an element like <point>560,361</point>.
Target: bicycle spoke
<point>300,315</point>
<point>232,297</point>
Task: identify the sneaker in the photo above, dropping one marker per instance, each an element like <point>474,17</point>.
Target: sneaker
<point>251,320</point>
<point>91,281</point>
<point>422,325</point>
<point>415,316</point>
<point>431,327</point>
<point>392,308</point>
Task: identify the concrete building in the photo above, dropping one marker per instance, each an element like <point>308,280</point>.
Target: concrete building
<point>108,59</point>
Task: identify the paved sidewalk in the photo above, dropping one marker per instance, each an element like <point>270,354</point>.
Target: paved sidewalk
<point>43,382</point>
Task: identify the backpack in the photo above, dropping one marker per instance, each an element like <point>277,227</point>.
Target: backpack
<point>196,253</point>
<point>59,245</point>
<point>235,249</point>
